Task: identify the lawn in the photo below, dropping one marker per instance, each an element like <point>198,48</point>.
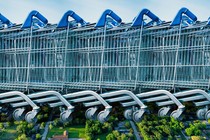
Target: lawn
<point>102,136</point>
<point>75,131</point>
<point>9,133</point>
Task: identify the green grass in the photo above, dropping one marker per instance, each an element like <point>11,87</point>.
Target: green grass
<point>9,133</point>
<point>102,136</point>
<point>76,131</point>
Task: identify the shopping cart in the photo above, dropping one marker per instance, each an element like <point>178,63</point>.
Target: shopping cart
<point>123,59</point>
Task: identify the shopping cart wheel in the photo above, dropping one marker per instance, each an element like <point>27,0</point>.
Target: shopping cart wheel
<point>31,117</point>
<point>66,116</point>
<point>103,116</point>
<point>18,114</point>
<point>163,111</point>
<point>207,115</point>
<point>128,114</point>
<point>137,115</point>
<point>176,115</point>
<point>201,113</point>
<point>91,113</point>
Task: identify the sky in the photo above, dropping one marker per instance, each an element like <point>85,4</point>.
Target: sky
<point>90,10</point>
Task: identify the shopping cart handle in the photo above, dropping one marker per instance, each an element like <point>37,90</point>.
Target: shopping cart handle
<point>29,20</point>
<point>4,20</point>
<point>178,18</point>
<point>208,23</point>
<point>64,20</point>
<point>102,20</point>
<point>139,20</point>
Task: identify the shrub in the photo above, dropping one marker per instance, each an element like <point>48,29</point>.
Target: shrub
<point>22,137</point>
<point>38,136</point>
<point>127,124</point>
<point>42,125</point>
<point>1,126</point>
<point>51,126</point>
<point>110,137</point>
<point>195,128</point>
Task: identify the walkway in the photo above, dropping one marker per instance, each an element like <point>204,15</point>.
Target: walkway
<point>46,128</point>
<point>136,133</point>
<point>44,135</point>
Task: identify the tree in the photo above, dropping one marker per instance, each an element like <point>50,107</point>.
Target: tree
<point>22,137</point>
<point>199,125</point>
<point>51,126</point>
<point>116,133</point>
<point>21,128</point>
<point>89,136</point>
<point>56,122</point>
<point>93,127</point>
<point>45,108</point>
<point>66,124</point>
<point>16,122</point>
<point>189,131</point>
<point>195,128</point>
<point>208,120</point>
<point>46,116</point>
<point>107,126</point>
<point>33,131</point>
<point>157,135</point>
<point>181,124</point>
<point>3,117</point>
<point>1,126</point>
<point>166,129</point>
<point>123,137</point>
<point>164,121</point>
<point>110,136</point>
<point>127,124</point>
<point>175,125</point>
<point>130,135</point>
<point>170,137</point>
<point>39,117</point>
<point>30,126</point>
<point>38,136</point>
<point>77,121</point>
<point>9,123</point>
<point>42,125</point>
<point>192,130</point>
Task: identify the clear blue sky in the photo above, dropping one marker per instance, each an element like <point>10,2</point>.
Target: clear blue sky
<point>90,10</point>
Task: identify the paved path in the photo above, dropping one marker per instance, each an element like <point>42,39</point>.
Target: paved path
<point>46,128</point>
<point>44,135</point>
<point>136,133</point>
<point>187,138</point>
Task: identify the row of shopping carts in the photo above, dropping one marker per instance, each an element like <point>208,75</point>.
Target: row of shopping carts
<point>99,106</point>
<point>121,58</point>
<point>109,54</point>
